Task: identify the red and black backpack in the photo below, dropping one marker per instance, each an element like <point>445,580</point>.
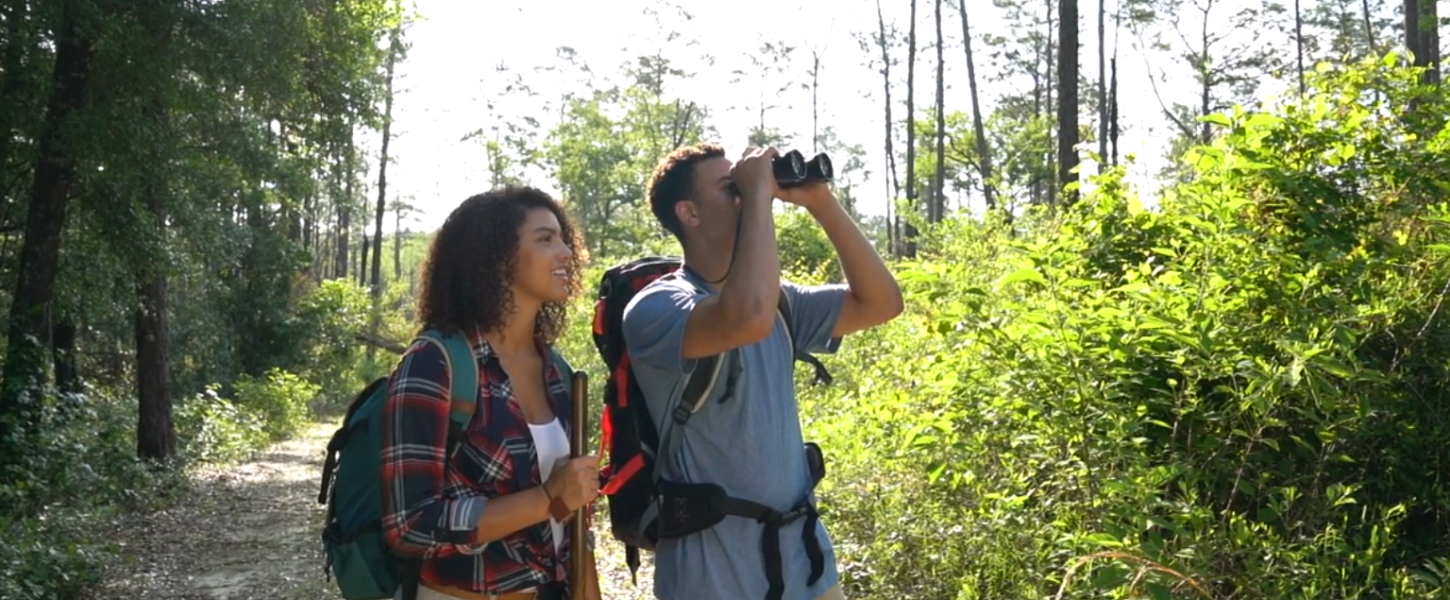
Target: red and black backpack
<point>643,508</point>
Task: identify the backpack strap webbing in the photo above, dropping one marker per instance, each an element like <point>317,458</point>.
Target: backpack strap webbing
<point>463,403</point>
<point>822,375</point>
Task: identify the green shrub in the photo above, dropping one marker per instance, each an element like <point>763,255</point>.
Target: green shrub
<point>76,471</point>
<point>212,429</point>
<point>59,556</point>
<point>282,399</point>
<point>1238,394</point>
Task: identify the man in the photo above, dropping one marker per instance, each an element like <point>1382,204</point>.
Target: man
<point>747,437</point>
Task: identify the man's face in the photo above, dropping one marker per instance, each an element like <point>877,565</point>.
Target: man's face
<point>716,205</point>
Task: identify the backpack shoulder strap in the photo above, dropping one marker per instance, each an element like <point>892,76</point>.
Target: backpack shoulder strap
<point>785,313</point>
<point>701,382</point>
<point>462,378</point>
<point>784,306</point>
<point>463,402</point>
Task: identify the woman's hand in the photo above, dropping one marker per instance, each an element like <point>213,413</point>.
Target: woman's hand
<point>575,481</point>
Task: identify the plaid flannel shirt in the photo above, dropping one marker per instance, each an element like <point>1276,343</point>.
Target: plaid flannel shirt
<point>434,512</point>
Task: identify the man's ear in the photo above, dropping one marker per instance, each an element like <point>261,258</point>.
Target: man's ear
<point>687,213</point>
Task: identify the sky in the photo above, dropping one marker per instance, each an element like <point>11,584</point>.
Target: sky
<point>449,72</point>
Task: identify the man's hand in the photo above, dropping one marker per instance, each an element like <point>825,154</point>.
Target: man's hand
<point>810,196</point>
<point>753,175</point>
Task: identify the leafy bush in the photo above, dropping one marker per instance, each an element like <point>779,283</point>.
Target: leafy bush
<point>334,312</point>
<point>72,474</point>
<point>1239,394</point>
<point>51,558</point>
<point>212,429</point>
<point>282,399</point>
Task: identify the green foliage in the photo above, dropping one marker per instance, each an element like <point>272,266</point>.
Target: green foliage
<point>212,146</point>
<point>1238,394</point>
<point>52,558</point>
<point>803,246</point>
<point>77,473</point>
<point>283,399</point>
<point>212,429</point>
<point>333,313</point>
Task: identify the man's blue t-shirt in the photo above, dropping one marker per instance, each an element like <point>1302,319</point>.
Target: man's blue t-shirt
<point>751,444</point>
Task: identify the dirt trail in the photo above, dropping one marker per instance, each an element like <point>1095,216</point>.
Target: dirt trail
<point>250,532</point>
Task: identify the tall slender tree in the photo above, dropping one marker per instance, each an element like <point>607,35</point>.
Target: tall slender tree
<point>979,130</point>
<point>1067,109</point>
<point>908,229</point>
<point>937,208</point>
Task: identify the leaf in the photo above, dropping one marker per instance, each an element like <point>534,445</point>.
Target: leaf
<point>1216,119</point>
<point>1334,366</point>
<point>1158,591</point>
<point>1136,287</point>
<point>937,471</point>
<point>1106,540</point>
<point>1022,274</point>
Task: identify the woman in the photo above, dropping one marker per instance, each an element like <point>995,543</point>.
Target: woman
<point>500,273</point>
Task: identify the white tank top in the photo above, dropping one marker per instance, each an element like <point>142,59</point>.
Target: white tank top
<point>552,444</point>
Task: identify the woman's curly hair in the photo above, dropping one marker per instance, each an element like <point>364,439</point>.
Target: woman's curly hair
<point>471,263</point>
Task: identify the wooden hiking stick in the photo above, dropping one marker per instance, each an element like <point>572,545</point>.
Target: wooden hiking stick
<point>577,566</point>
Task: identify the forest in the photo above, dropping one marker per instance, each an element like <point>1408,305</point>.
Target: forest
<point>1229,383</point>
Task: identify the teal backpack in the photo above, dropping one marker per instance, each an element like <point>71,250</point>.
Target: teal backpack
<point>352,537</point>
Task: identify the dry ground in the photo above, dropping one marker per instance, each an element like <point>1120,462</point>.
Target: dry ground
<point>250,532</point>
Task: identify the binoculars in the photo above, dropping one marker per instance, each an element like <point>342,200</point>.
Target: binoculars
<point>792,169</point>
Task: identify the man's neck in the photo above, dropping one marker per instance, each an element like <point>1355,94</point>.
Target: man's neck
<point>711,269</point>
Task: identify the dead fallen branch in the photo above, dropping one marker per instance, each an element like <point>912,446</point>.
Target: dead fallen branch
<point>376,342</point>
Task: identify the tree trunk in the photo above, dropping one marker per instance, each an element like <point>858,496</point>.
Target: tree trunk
<point>1103,83</point>
<point>362,252</point>
<point>398,244</point>
<point>1051,75</point>
<point>815,102</point>
<point>1114,119</point>
<point>381,208</point>
<point>1205,131</point>
<point>1369,27</point>
<point>895,189</point>
<point>1422,37</point>
<point>344,226</point>
<point>908,230</point>
<point>155,432</point>
<point>17,43</point>
<point>377,266</point>
<point>984,148</point>
<point>344,216</point>
<point>63,352</point>
<point>937,209</point>
<point>1067,99</point>
<point>25,367</point>
<point>1299,43</point>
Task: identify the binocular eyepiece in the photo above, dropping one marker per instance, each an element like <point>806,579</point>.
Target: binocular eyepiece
<point>792,169</point>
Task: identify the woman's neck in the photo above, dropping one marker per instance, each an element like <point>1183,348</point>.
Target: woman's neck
<point>516,334</point>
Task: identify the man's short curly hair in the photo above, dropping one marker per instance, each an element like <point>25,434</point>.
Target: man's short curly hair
<point>674,180</point>
<point>471,264</point>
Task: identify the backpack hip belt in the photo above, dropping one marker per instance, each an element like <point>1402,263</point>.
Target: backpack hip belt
<point>689,508</point>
